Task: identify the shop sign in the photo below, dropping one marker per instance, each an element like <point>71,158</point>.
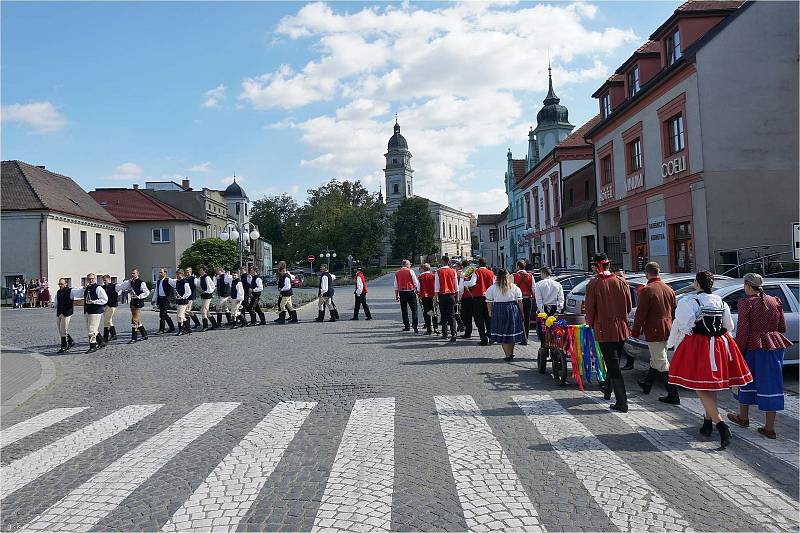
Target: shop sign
<point>606,192</point>
<point>633,182</point>
<point>657,236</point>
<point>673,166</point>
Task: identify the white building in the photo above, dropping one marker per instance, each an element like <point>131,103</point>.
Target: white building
<point>53,229</point>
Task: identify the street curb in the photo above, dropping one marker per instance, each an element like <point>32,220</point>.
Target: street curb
<point>47,377</point>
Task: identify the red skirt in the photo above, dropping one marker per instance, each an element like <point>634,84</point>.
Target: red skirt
<point>708,363</point>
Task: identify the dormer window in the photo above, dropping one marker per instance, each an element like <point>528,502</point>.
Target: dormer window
<point>605,102</point>
<point>673,47</point>
<point>633,81</point>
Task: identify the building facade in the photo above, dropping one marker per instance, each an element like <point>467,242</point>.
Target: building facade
<point>490,230</point>
<point>578,218</point>
<point>205,204</point>
<point>695,154</point>
<point>53,229</point>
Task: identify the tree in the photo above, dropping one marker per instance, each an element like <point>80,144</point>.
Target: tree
<point>476,243</point>
<point>413,229</point>
<point>275,216</point>
<point>212,252</point>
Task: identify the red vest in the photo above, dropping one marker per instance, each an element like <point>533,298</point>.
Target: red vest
<point>404,280</point>
<point>426,285</point>
<point>363,282</point>
<point>447,280</point>
<point>524,280</point>
<point>485,279</point>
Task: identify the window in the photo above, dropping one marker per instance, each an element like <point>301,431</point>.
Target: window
<point>84,241</point>
<point>778,293</point>
<point>202,234</point>
<point>160,235</point>
<point>635,155</point>
<point>606,105</point>
<point>112,245</point>
<point>571,247</point>
<point>396,188</point>
<point>444,226</point>
<point>66,241</point>
<point>640,248</point>
<point>83,282</point>
<point>394,160</point>
<point>571,197</point>
<point>795,289</point>
<point>586,190</point>
<point>114,279</point>
<point>633,81</point>
<point>450,232</point>
<point>194,235</point>
<point>492,235</point>
<point>98,243</point>
<point>673,47</point>
<point>606,174</point>
<point>675,133</point>
<point>733,298</point>
<point>238,207</point>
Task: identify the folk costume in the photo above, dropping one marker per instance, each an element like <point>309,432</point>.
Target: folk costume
<point>190,314</point>
<point>237,297</point>
<point>63,301</point>
<point>94,301</point>
<point>183,290</point>
<point>224,304</point>
<point>162,293</point>
<point>285,299</point>
<point>138,292</point>
<point>247,283</point>
<point>325,294</point>
<point>361,296</point>
<point>112,291</point>
<point>524,280</point>
<point>481,280</point>
<point>446,289</point>
<point>206,285</point>
<point>427,296</point>
<point>406,286</point>
<point>467,305</point>
<point>256,288</point>
<point>506,325</point>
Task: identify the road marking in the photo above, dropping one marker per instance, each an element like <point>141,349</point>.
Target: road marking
<point>358,494</point>
<point>35,424</point>
<point>767,505</point>
<point>627,499</point>
<point>19,473</point>
<point>491,494</point>
<point>84,507</point>
<point>226,495</point>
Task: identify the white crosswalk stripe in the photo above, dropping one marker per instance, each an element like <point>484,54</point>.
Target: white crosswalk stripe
<point>86,505</point>
<point>28,468</point>
<point>491,494</point>
<point>627,499</point>
<point>35,424</point>
<point>358,494</point>
<point>226,495</point>
<point>767,505</point>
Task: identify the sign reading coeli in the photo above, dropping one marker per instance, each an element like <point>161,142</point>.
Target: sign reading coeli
<point>673,166</point>
<point>657,236</point>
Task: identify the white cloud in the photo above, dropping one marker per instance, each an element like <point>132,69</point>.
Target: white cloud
<point>229,179</point>
<point>130,172</point>
<point>213,97</point>
<point>201,167</point>
<point>42,117</point>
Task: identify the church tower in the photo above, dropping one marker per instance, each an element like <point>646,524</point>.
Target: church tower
<point>552,123</point>
<point>398,173</point>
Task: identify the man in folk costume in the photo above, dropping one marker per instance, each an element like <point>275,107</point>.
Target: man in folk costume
<point>481,280</point>
<point>524,280</point>
<point>465,297</point>
<point>246,280</point>
<point>549,295</point>
<point>138,292</point>
<point>427,294</point>
<point>406,286</point>
<point>161,293</point>
<point>182,292</point>
<point>112,291</point>
<point>608,302</point>
<point>206,285</point>
<point>655,311</point>
<point>94,301</point>
<point>326,295</point>
<point>190,314</point>
<point>224,291</point>
<point>256,288</point>
<point>446,289</point>
<point>457,309</point>
<point>63,301</point>
<point>236,302</point>
<point>285,295</point>
<point>360,295</point>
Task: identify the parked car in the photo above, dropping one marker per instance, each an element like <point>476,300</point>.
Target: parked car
<point>270,279</point>
<point>574,304</point>
<point>297,281</point>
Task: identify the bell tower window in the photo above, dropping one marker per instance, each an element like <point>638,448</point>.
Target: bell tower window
<point>394,160</point>
<point>396,188</point>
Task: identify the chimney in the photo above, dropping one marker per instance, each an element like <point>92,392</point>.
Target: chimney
<point>185,184</point>
<point>135,186</point>
<point>40,166</point>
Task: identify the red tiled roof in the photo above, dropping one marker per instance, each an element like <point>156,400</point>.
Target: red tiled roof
<point>576,137</point>
<point>518,165</point>
<point>30,188</point>
<point>649,47</point>
<point>133,205</point>
<point>709,5</point>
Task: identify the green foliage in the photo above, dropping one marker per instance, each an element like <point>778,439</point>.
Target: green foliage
<point>275,217</point>
<point>476,243</point>
<point>413,230</point>
<point>212,252</point>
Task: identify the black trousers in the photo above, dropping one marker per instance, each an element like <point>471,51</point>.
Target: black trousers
<point>612,351</point>
<point>447,304</point>
<point>427,314</point>
<point>361,301</point>
<point>246,301</point>
<point>467,311</point>
<point>255,307</point>
<point>408,299</point>
<point>481,315</point>
<point>163,317</point>
<point>527,307</point>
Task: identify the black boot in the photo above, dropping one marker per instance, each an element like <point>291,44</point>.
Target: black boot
<point>648,381</point>
<point>219,321</point>
<point>707,427</point>
<point>213,322</point>
<point>334,315</point>
<point>171,325</point>
<point>134,336</point>
<point>234,324</point>
<point>229,318</point>
<point>105,335</point>
<point>281,318</point>
<point>242,321</point>
<point>70,342</point>
<point>629,363</point>
<point>187,328</point>
<point>143,333</point>
<point>252,318</point>
<point>205,325</point>
<point>63,348</point>
<point>113,331</point>
<point>196,321</point>
<point>100,342</point>
<point>724,434</point>
<point>607,388</point>
<point>621,397</point>
<point>262,320</point>
<point>672,397</point>
<point>293,317</point>
<point>161,324</point>
<point>92,348</point>
<point>180,330</point>
<point>320,316</point>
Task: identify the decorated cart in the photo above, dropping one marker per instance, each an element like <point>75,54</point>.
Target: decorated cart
<point>568,344</point>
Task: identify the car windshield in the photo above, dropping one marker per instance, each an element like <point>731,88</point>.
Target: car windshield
<point>580,288</point>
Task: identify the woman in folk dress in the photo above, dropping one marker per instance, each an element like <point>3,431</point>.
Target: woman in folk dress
<point>504,305</point>
<point>707,359</point>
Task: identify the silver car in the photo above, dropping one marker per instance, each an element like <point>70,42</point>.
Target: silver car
<point>574,304</point>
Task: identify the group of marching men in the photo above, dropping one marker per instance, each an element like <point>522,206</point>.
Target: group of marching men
<point>456,296</point>
<point>239,293</point>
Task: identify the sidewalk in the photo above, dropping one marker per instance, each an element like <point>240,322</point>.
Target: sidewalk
<point>22,374</point>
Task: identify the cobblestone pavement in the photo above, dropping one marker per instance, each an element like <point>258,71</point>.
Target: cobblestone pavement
<point>358,426</point>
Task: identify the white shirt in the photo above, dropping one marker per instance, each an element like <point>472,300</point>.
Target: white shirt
<point>494,294</point>
<point>187,289</point>
<point>549,292</point>
<point>102,297</point>
<point>287,282</point>
<point>323,282</point>
<point>239,291</point>
<point>159,292</point>
<point>413,279</point>
<point>359,286</point>
<point>689,311</point>
<point>210,285</point>
<point>256,286</point>
<point>126,286</point>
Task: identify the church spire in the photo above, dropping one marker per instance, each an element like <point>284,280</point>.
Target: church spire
<point>551,97</point>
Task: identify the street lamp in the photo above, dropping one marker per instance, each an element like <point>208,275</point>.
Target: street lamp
<point>239,232</point>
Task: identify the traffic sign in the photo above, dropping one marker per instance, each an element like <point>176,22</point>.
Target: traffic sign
<point>796,240</point>
<point>310,258</point>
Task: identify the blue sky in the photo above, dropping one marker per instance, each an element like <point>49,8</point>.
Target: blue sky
<point>289,95</point>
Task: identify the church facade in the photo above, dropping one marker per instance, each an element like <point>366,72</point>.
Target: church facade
<point>452,225</point>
